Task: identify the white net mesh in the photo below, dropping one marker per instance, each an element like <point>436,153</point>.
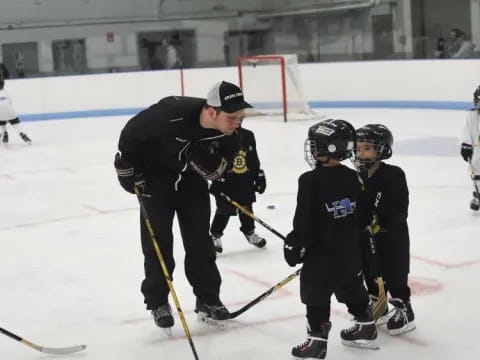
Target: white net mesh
<point>270,91</point>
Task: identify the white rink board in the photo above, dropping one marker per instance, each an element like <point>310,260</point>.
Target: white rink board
<point>422,80</point>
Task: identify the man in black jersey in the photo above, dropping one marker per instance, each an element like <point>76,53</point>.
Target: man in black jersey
<point>325,239</point>
<point>169,151</point>
<point>385,202</point>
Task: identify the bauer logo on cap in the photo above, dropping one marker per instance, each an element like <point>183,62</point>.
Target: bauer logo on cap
<point>227,97</point>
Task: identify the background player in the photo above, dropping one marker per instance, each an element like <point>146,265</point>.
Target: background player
<point>9,115</point>
<point>240,183</point>
<point>470,148</point>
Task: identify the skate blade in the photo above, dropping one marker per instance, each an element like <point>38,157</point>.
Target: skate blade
<point>167,331</point>
<point>222,324</point>
<point>407,328</point>
<point>362,344</point>
<point>382,320</point>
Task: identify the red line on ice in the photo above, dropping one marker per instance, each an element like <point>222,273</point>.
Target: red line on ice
<point>445,264</point>
<point>282,290</point>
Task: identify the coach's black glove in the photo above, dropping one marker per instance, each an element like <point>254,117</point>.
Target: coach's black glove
<point>218,186</point>
<point>260,182</point>
<point>127,176</point>
<point>466,151</point>
<point>292,252</point>
<point>206,160</point>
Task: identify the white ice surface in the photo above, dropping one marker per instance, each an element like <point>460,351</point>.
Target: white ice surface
<point>71,263</point>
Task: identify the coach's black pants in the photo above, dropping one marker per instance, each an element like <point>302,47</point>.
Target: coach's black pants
<point>191,204</point>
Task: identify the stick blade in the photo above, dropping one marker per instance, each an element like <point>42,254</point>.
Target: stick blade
<point>62,351</point>
<point>380,307</point>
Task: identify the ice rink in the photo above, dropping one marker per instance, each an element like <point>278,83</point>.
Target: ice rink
<point>71,262</point>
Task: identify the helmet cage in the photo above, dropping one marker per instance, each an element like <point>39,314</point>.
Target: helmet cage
<point>382,151</point>
<point>335,149</point>
<point>310,148</point>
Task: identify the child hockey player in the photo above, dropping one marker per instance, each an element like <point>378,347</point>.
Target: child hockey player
<point>470,148</point>
<point>325,239</point>
<point>385,201</point>
<point>240,183</point>
<point>8,114</point>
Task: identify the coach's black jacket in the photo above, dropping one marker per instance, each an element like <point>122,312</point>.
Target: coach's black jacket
<point>155,140</point>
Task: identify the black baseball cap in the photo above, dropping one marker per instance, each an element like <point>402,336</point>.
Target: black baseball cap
<point>227,97</point>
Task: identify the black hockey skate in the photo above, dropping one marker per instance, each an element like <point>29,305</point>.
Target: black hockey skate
<point>212,313</point>
<point>363,334</point>
<point>163,318</point>
<point>256,240</point>
<point>315,347</point>
<point>5,137</point>
<point>475,203</point>
<point>25,138</point>
<point>403,318</point>
<point>217,243</point>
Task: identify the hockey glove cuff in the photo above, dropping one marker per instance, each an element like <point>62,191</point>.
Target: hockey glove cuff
<point>292,252</point>
<point>218,186</point>
<point>260,182</point>
<point>466,151</point>
<point>127,176</point>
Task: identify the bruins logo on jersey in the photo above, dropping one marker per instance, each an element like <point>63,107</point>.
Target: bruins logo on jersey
<point>240,162</point>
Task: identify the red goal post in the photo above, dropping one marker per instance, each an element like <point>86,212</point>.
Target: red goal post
<point>254,60</point>
<point>272,84</point>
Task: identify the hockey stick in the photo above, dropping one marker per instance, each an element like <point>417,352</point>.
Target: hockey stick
<point>168,279</point>
<point>43,349</point>
<point>252,215</point>
<point>276,286</point>
<point>265,294</point>
<point>380,307</point>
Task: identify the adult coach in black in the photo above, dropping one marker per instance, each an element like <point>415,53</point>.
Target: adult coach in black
<point>169,151</point>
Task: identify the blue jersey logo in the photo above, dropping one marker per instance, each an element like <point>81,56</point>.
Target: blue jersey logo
<point>342,208</point>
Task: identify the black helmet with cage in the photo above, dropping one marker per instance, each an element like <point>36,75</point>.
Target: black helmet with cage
<point>332,138</point>
<point>380,138</point>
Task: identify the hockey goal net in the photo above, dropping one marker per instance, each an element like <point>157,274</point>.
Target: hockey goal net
<point>272,84</point>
